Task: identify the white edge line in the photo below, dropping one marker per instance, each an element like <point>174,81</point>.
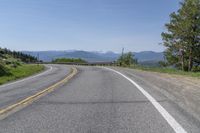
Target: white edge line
<point>22,80</point>
<point>171,121</point>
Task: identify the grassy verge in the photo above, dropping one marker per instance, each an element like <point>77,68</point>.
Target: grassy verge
<point>21,72</point>
<point>166,70</point>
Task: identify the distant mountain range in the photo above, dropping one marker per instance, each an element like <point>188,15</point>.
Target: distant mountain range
<point>46,56</point>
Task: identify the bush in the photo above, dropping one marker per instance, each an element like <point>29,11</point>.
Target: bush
<point>196,69</point>
<point>3,70</point>
<point>69,60</point>
<point>126,59</point>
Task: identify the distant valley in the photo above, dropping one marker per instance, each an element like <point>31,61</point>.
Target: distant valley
<point>47,56</point>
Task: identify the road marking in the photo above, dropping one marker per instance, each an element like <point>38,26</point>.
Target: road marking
<point>30,99</point>
<point>171,121</point>
<point>22,80</point>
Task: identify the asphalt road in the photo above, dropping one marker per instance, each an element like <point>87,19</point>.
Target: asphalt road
<point>97,100</point>
<point>15,91</point>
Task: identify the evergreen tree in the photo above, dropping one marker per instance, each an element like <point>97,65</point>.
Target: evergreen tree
<point>127,59</point>
<point>183,37</point>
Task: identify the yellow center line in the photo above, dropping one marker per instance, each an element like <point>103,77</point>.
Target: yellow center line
<point>38,95</point>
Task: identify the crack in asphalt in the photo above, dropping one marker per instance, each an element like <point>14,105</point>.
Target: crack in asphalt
<point>95,102</point>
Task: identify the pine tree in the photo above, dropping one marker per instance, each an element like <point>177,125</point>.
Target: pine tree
<point>183,37</point>
<point>127,59</point>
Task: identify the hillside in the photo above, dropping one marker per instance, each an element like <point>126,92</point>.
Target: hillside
<point>11,57</point>
<point>146,56</point>
<point>13,65</point>
<point>47,56</point>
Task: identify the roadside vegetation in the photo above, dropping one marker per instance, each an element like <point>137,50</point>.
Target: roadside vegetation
<point>11,57</point>
<point>182,38</point>
<point>182,42</point>
<point>126,59</point>
<point>166,70</point>
<point>15,65</point>
<point>21,71</point>
<point>69,60</point>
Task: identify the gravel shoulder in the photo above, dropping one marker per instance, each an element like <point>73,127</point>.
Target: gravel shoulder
<point>184,91</point>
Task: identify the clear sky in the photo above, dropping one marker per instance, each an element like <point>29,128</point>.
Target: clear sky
<point>92,25</point>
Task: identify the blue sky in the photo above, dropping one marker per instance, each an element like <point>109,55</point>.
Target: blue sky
<point>92,25</point>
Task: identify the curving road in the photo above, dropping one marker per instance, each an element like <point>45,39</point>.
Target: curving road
<point>96,100</point>
<point>15,91</point>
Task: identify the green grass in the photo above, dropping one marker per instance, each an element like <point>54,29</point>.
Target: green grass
<point>21,71</point>
<point>166,70</point>
<point>69,60</point>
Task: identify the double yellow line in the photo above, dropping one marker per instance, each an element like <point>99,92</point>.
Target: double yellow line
<point>13,108</point>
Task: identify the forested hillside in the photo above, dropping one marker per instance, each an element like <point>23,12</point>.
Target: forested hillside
<point>6,55</point>
<point>12,60</point>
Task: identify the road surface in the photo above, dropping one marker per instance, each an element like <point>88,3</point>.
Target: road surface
<point>12,92</point>
<point>96,100</point>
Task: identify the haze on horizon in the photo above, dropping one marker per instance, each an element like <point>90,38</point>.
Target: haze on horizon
<point>91,25</point>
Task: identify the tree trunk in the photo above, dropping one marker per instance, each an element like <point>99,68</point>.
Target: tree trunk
<point>190,64</point>
<point>182,62</point>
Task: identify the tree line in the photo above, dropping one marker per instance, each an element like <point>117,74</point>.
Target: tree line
<point>69,60</point>
<point>23,57</point>
<point>182,38</point>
